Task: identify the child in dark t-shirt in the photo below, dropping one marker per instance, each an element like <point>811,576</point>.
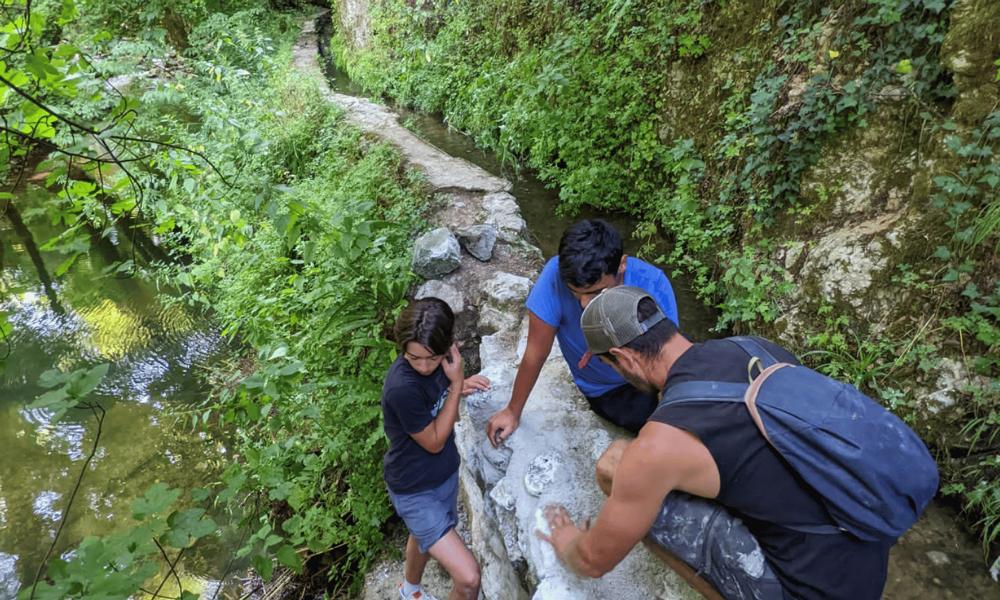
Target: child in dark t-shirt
<point>420,406</point>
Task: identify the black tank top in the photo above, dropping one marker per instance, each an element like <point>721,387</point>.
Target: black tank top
<point>758,486</point>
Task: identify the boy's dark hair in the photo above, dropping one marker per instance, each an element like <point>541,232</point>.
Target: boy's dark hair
<point>429,322</point>
<point>588,251</point>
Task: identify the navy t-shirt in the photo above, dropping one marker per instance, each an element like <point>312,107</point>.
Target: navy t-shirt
<point>410,401</point>
<point>758,486</point>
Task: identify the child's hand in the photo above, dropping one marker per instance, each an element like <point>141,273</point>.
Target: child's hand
<point>476,383</point>
<point>452,365</point>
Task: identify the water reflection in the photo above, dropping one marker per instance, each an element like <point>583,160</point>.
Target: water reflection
<point>76,320</point>
<point>44,505</point>
<point>9,583</point>
<point>63,438</point>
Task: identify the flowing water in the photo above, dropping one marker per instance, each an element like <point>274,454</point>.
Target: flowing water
<point>157,351</point>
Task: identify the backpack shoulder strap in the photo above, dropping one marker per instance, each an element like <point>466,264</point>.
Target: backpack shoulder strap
<point>754,348</point>
<point>703,391</point>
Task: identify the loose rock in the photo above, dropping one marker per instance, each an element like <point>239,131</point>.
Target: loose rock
<point>436,253</point>
<point>478,240</point>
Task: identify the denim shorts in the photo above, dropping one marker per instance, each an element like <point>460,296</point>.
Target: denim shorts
<point>429,514</point>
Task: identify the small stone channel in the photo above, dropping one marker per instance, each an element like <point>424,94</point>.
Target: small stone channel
<point>94,313</point>
<point>934,560</point>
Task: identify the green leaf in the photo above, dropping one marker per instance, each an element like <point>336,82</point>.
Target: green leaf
<point>65,265</point>
<point>89,381</point>
<point>262,564</point>
<point>5,327</point>
<point>188,526</point>
<point>904,67</point>
<point>157,499</point>
<point>50,399</point>
<point>68,13</point>
<point>290,558</point>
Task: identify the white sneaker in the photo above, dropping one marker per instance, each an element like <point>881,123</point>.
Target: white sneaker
<point>418,595</point>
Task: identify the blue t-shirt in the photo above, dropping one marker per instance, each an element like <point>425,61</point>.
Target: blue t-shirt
<point>551,301</point>
<point>410,401</point>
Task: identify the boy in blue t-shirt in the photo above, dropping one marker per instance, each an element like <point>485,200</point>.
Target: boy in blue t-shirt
<point>590,260</point>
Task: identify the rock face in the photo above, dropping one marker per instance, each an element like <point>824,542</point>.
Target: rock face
<point>549,459</point>
<point>436,253</point>
<point>504,215</point>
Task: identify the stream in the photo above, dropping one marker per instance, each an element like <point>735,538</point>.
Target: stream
<point>158,351</point>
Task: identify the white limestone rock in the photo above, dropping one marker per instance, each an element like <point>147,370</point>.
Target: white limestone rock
<point>503,213</point>
<point>493,320</point>
<point>542,471</point>
<point>506,291</point>
<point>439,289</point>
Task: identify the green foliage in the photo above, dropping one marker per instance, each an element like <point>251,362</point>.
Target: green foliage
<point>515,90</point>
<point>753,284</point>
<point>119,565</point>
<point>68,389</point>
<point>840,351</point>
<point>303,257</point>
<point>290,226</point>
<point>966,201</point>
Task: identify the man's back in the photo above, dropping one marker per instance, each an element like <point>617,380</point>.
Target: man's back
<point>757,485</point>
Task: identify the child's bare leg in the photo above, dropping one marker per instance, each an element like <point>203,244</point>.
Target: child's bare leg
<point>608,463</point>
<point>415,562</point>
<point>451,552</point>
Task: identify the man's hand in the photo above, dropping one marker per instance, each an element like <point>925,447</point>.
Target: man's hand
<point>476,383</point>
<point>452,365</point>
<point>563,531</point>
<point>501,425</point>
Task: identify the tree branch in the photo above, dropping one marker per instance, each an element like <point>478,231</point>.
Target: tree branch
<point>99,414</point>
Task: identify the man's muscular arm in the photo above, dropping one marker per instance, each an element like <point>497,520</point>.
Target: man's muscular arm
<point>661,459</point>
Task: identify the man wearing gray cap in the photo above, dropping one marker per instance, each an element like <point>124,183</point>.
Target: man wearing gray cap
<point>753,536</point>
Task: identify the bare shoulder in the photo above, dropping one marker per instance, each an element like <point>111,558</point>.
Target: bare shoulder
<point>663,456</point>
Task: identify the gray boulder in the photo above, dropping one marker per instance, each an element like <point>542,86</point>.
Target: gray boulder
<point>436,253</point>
<point>478,240</point>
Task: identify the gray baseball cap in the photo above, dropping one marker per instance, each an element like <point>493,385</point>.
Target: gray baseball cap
<point>610,321</point>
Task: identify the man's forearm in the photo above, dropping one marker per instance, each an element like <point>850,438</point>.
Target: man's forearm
<point>576,561</point>
<point>524,382</point>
